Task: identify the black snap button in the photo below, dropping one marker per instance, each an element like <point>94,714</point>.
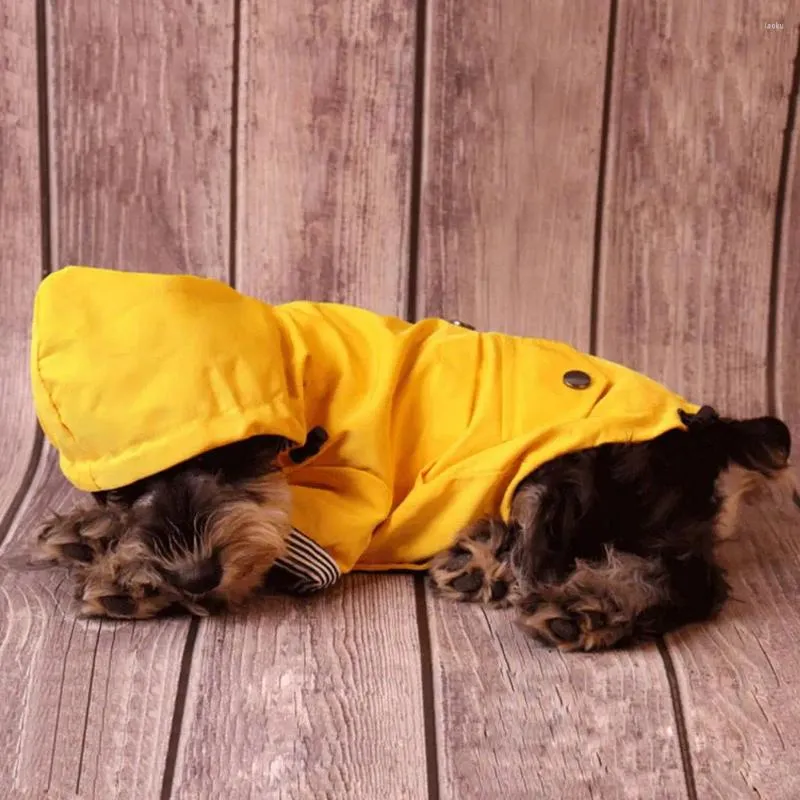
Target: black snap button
<point>577,379</point>
<point>459,324</point>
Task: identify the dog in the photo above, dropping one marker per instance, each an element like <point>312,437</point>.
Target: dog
<point>594,510</point>
<point>604,546</point>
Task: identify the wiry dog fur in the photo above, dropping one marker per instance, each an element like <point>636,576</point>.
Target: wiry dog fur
<point>603,546</point>
<point>616,542</point>
<point>201,535</point>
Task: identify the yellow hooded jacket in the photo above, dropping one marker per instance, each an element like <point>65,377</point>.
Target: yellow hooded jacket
<point>429,425</point>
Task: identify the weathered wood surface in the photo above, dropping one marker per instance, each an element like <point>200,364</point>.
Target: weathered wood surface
<point>685,288</point>
<point>140,179</point>
<point>140,134</point>
<point>322,698</point>
<point>739,677</point>
<point>324,155</point>
<point>286,166</point>
<point>514,128</point>
<point>511,157</point>
<point>786,365</point>
<point>518,721</point>
<point>694,158</point>
<point>308,698</point>
<point>20,246</point>
<point>87,705</point>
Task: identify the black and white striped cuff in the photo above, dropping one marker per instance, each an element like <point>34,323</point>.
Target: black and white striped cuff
<point>305,568</point>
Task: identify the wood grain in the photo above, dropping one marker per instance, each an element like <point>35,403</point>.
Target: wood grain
<point>308,698</point>
<point>317,698</point>
<point>324,150</point>
<point>739,677</point>
<point>510,164</point>
<point>520,721</point>
<point>139,142</point>
<point>694,162</point>
<point>787,340</point>
<point>509,195</point>
<point>20,243</point>
<point>87,705</point>
<point>140,128</point>
<point>324,697</point>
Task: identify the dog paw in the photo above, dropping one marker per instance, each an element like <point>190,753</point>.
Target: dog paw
<point>475,569</point>
<point>78,537</point>
<point>111,588</point>
<point>117,602</point>
<point>127,583</point>
<point>575,622</point>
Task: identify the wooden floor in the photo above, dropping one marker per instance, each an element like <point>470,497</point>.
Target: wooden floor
<point>623,175</point>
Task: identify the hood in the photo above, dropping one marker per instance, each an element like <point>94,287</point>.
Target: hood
<point>134,372</point>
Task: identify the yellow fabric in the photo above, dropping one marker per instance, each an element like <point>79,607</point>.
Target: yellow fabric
<point>430,425</point>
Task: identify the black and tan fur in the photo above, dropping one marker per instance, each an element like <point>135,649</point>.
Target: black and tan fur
<point>604,546</point>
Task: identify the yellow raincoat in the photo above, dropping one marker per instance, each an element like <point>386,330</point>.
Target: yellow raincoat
<point>429,425</point>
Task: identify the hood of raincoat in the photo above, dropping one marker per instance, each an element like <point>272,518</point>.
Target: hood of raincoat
<point>429,425</point>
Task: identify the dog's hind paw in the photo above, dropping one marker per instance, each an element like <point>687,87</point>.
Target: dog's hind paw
<point>580,623</point>
<point>602,604</point>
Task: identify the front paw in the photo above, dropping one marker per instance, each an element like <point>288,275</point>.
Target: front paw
<point>476,569</point>
<point>113,587</point>
<point>76,538</point>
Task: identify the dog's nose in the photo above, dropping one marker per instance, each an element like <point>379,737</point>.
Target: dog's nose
<point>119,605</point>
<point>203,577</point>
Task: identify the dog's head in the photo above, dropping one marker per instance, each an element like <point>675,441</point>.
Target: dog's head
<point>201,535</point>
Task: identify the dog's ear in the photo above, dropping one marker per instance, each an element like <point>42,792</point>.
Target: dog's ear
<point>762,443</point>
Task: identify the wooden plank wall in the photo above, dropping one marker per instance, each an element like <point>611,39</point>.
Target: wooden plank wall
<point>139,177</point>
<point>620,175</point>
<point>515,111</point>
<point>323,197</point>
<point>694,166</point>
<point>22,228</point>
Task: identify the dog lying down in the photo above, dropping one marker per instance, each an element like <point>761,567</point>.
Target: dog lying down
<point>228,443</point>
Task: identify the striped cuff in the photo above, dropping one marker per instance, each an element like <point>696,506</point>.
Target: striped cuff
<point>305,568</point>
